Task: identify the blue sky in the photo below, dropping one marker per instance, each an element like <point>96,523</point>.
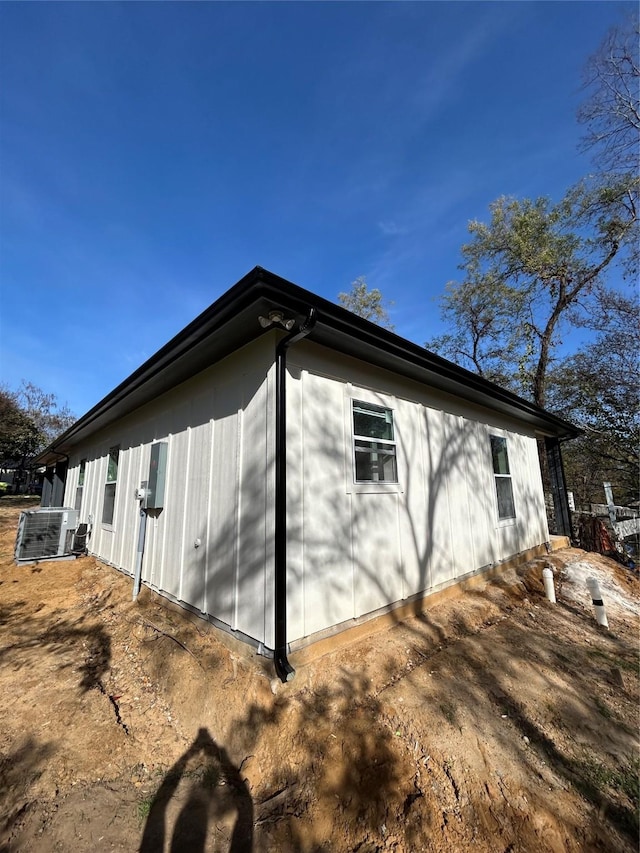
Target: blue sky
<point>151,154</point>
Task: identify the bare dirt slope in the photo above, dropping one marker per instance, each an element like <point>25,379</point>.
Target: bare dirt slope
<point>494,722</point>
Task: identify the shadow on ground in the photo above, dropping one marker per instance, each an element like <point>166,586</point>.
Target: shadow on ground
<point>216,793</point>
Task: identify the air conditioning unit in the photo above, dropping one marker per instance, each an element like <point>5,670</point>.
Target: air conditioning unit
<point>45,533</point>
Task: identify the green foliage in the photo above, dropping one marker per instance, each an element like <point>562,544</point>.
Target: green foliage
<point>537,269</point>
<point>29,420</point>
<point>624,779</point>
<point>529,273</point>
<point>20,437</point>
<point>475,310</point>
<point>597,387</point>
<point>369,304</point>
<point>43,409</point>
<point>144,809</point>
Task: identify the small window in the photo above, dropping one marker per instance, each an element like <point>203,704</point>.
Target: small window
<point>502,476</point>
<point>374,446</point>
<point>80,486</point>
<point>110,486</point>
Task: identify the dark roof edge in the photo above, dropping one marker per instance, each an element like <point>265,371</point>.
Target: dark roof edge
<point>223,308</point>
<point>376,336</point>
<point>252,285</point>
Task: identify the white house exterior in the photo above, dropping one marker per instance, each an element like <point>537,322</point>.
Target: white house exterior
<point>394,474</point>
<point>355,547</point>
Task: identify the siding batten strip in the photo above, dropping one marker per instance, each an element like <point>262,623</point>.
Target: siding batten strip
<point>270,499</point>
<point>238,515</point>
<point>185,510</point>
<point>303,462</point>
<point>136,504</point>
<point>207,544</point>
<point>466,451</point>
<point>267,502</point>
<point>403,586</point>
<point>452,562</point>
<point>163,552</point>
<point>425,562</point>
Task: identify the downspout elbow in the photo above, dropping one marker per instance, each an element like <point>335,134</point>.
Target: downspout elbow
<point>296,335</point>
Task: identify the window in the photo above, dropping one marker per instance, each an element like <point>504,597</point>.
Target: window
<point>80,486</point>
<point>110,486</point>
<point>374,446</point>
<point>502,476</point>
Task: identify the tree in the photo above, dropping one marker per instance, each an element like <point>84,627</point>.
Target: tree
<point>597,388</point>
<point>30,419</point>
<point>43,409</point>
<point>530,272</point>
<point>369,304</point>
<point>20,438</point>
<point>537,269</point>
<point>611,113</point>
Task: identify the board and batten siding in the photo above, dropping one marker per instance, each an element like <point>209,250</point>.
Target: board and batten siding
<point>357,548</point>
<point>211,546</point>
<point>352,549</point>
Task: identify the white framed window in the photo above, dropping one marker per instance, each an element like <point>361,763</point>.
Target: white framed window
<point>80,486</point>
<point>374,444</point>
<point>502,478</point>
<point>109,504</point>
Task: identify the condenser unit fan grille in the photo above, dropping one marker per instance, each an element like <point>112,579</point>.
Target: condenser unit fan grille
<point>45,533</point>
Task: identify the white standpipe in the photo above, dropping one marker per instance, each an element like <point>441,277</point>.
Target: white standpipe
<point>549,589</point>
<point>598,603</point>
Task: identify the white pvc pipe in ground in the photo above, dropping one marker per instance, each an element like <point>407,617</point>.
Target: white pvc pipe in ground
<point>549,589</point>
<point>598,603</point>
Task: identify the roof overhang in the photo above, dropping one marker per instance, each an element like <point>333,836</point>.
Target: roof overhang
<point>232,321</point>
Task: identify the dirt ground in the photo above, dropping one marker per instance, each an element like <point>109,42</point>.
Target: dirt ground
<point>495,721</point>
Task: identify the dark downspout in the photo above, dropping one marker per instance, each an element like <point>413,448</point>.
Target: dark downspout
<point>558,487</point>
<point>61,480</point>
<point>283,668</point>
<point>51,491</point>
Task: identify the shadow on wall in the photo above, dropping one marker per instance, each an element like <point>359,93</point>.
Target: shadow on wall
<point>363,551</point>
<point>338,757</point>
<point>215,538</point>
<point>340,752</point>
<point>348,553</point>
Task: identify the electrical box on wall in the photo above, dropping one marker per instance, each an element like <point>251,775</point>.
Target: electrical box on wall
<point>157,475</point>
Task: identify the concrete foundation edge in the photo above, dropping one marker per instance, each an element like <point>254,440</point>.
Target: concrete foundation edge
<point>316,645</point>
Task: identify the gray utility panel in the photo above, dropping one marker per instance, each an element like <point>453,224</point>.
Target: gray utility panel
<point>157,475</point>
